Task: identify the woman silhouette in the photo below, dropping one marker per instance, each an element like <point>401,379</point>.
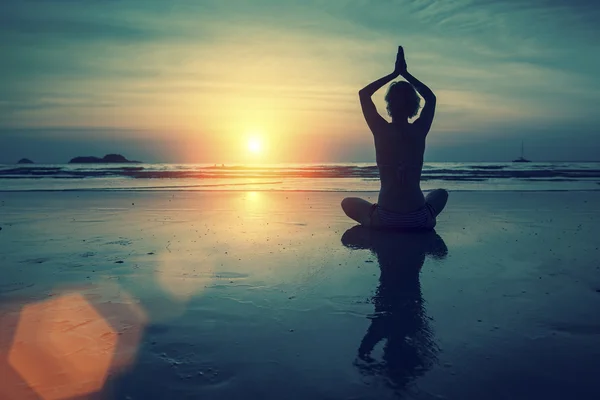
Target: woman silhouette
<point>399,149</point>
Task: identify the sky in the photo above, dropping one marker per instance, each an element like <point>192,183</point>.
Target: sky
<point>193,81</point>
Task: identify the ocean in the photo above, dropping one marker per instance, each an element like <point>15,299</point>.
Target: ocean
<point>339,177</point>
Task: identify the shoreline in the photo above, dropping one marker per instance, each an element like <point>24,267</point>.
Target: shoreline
<point>184,189</point>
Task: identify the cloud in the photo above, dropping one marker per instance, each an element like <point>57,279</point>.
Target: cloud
<point>213,66</point>
<point>72,30</point>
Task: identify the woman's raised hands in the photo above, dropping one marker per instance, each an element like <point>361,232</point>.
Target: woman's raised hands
<point>400,67</point>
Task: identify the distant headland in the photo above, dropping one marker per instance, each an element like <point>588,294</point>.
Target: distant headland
<point>107,159</point>
<point>24,161</point>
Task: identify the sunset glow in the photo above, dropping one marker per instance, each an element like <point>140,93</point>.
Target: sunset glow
<point>254,145</point>
<point>180,84</point>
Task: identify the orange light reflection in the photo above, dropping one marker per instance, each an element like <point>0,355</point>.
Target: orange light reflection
<point>66,347</point>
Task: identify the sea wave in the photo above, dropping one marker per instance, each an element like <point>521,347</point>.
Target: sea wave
<point>174,171</point>
<point>330,177</point>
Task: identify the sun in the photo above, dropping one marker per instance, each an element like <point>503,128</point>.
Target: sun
<point>254,145</point>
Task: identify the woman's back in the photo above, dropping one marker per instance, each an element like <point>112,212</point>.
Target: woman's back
<point>399,150</point>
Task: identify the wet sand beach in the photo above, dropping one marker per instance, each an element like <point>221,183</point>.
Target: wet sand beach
<point>271,295</point>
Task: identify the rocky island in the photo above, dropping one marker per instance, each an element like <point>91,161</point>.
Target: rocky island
<point>107,159</point>
<point>24,161</point>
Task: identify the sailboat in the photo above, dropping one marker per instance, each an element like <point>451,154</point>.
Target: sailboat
<point>522,158</point>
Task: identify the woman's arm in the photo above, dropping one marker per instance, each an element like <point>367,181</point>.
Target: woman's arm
<point>426,118</point>
<point>375,121</point>
<point>419,86</point>
<point>423,124</point>
<point>400,67</point>
<point>372,87</point>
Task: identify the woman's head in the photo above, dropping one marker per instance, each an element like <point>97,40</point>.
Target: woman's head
<point>402,100</point>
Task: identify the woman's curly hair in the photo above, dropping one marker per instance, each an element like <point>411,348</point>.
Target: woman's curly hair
<point>402,100</point>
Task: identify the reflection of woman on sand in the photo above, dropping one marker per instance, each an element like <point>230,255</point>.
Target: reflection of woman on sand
<point>399,149</point>
<point>400,315</point>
